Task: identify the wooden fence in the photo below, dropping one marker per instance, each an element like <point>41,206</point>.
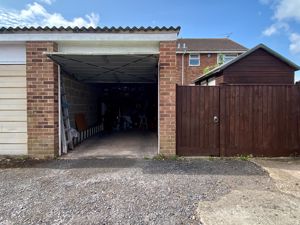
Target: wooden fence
<point>262,120</point>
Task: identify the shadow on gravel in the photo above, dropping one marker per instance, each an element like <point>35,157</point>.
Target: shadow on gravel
<point>184,167</point>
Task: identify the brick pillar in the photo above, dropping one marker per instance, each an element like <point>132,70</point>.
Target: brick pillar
<point>168,77</point>
<point>42,100</point>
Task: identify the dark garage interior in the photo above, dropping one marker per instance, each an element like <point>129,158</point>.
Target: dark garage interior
<point>117,93</point>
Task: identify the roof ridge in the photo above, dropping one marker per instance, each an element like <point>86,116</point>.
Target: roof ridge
<point>89,29</point>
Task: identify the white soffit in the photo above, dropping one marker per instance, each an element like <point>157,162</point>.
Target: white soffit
<point>88,37</point>
<point>109,47</point>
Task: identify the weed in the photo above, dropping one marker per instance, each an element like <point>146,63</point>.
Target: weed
<point>164,157</point>
<point>211,158</point>
<point>245,157</point>
<point>160,157</point>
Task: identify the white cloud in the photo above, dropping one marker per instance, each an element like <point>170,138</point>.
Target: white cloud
<point>275,28</point>
<point>49,2</point>
<point>36,15</point>
<point>287,10</point>
<point>295,43</point>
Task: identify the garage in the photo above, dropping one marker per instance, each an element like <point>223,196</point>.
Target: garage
<point>13,103</point>
<point>119,84</point>
<point>117,94</point>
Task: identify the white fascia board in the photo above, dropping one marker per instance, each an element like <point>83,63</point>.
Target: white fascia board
<point>100,53</point>
<point>88,37</point>
<point>206,52</point>
<point>109,47</point>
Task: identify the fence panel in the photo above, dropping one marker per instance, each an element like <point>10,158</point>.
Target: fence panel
<point>262,120</point>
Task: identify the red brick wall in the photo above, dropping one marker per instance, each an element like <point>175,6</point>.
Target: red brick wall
<point>193,72</point>
<point>42,100</point>
<point>168,78</point>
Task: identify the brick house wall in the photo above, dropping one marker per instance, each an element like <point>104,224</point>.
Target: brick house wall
<point>193,72</point>
<point>82,98</point>
<point>168,78</point>
<point>42,100</point>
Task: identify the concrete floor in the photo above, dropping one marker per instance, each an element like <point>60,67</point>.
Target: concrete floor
<point>135,144</point>
<point>277,205</point>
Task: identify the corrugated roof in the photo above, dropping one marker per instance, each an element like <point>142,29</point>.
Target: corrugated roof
<point>210,44</point>
<point>88,29</point>
<point>260,46</point>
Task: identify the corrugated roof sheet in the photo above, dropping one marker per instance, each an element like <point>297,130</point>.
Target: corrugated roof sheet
<point>210,44</point>
<point>88,29</point>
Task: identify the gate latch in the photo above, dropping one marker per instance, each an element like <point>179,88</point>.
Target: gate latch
<point>216,119</point>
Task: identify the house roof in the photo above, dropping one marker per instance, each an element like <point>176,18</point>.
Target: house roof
<point>5,30</point>
<point>260,46</point>
<point>209,44</point>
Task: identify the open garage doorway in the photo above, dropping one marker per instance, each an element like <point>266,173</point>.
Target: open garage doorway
<point>116,95</point>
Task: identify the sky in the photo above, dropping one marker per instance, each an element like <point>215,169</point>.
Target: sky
<point>275,23</point>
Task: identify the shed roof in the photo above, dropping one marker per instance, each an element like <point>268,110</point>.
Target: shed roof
<point>210,44</point>
<point>4,30</point>
<point>228,64</point>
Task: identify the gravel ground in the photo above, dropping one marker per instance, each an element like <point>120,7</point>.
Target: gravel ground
<point>120,191</point>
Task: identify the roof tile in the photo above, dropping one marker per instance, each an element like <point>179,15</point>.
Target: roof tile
<point>210,44</point>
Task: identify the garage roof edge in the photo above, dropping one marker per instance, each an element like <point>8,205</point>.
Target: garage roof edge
<point>5,30</point>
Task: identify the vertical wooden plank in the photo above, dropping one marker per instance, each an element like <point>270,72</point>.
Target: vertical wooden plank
<point>231,117</point>
<point>197,116</point>
<point>202,117</point>
<point>194,134</point>
<point>222,103</point>
<point>217,125</point>
<point>250,121</point>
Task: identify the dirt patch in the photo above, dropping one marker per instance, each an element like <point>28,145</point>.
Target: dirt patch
<point>15,162</point>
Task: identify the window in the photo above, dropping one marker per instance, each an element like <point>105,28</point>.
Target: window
<point>194,60</point>
<point>224,58</point>
<point>211,82</point>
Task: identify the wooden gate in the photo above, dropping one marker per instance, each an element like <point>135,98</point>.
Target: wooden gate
<point>262,120</point>
<point>197,133</point>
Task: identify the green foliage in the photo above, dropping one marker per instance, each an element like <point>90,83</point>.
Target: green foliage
<point>245,157</point>
<point>209,68</point>
<point>162,157</point>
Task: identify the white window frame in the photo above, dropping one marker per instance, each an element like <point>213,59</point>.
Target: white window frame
<point>198,57</point>
<point>223,57</point>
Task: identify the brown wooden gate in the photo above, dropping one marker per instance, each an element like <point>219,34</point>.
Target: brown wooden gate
<point>262,120</point>
<point>197,132</point>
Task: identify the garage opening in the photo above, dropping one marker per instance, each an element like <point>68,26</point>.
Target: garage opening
<point>114,95</point>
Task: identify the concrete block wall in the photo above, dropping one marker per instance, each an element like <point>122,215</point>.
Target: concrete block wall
<point>42,100</point>
<point>82,98</point>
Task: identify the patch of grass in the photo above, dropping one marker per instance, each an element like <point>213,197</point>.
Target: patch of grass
<point>159,157</point>
<point>163,157</point>
<point>146,158</point>
<point>211,158</point>
<point>175,157</point>
<point>245,157</point>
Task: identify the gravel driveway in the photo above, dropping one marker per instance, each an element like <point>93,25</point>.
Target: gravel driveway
<point>120,191</point>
